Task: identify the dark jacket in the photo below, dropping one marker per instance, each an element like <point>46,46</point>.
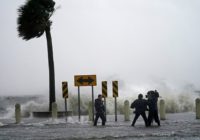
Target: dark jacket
<point>99,106</point>
<point>152,102</point>
<point>140,105</point>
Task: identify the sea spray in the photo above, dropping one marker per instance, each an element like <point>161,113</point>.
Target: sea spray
<point>179,102</point>
<point>1,124</point>
<point>28,105</point>
<point>183,102</point>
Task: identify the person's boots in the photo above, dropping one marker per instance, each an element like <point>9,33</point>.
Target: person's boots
<point>133,124</point>
<point>95,123</point>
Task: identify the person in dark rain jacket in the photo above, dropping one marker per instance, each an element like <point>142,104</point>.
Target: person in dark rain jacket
<point>140,106</point>
<point>100,110</point>
<point>153,108</point>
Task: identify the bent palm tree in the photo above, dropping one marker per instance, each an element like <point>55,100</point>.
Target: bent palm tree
<point>33,21</point>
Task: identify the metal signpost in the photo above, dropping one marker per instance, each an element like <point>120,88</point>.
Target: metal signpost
<point>115,95</point>
<point>92,104</point>
<point>85,80</point>
<point>104,93</point>
<point>65,95</point>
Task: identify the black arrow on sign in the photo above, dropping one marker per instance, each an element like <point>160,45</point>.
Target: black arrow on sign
<point>81,80</point>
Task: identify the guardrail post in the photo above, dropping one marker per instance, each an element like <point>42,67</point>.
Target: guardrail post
<point>126,111</point>
<point>197,101</point>
<point>162,110</point>
<point>18,113</point>
<point>54,111</point>
<point>90,111</point>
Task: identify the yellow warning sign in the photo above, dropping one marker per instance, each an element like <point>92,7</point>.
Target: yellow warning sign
<point>115,88</point>
<point>85,80</point>
<point>104,89</point>
<point>65,89</point>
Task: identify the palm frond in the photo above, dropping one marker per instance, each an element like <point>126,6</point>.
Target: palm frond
<point>34,18</point>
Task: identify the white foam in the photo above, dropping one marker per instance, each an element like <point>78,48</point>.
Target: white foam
<point>10,113</point>
<point>1,124</point>
<point>26,109</point>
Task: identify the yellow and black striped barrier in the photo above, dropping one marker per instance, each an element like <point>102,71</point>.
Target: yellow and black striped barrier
<point>115,95</point>
<point>65,89</point>
<point>104,89</point>
<point>115,88</point>
<point>104,94</point>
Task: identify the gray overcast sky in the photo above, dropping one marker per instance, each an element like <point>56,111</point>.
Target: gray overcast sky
<point>141,43</point>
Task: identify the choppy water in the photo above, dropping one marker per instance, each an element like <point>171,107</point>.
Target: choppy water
<point>181,126</point>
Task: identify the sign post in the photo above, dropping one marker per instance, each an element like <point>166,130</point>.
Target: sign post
<point>65,95</point>
<point>92,104</point>
<point>115,95</point>
<point>104,94</point>
<point>79,105</point>
<point>85,80</point>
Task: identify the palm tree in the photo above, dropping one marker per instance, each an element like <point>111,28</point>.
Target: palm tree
<point>33,21</point>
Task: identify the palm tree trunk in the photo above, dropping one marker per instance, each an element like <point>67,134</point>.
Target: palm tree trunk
<point>52,97</point>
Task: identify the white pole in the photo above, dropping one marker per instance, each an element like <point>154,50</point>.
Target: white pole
<point>197,108</point>
<point>162,110</point>
<point>54,111</point>
<point>126,111</point>
<point>18,113</point>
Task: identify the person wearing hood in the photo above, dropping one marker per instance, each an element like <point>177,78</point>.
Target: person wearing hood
<point>140,106</point>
